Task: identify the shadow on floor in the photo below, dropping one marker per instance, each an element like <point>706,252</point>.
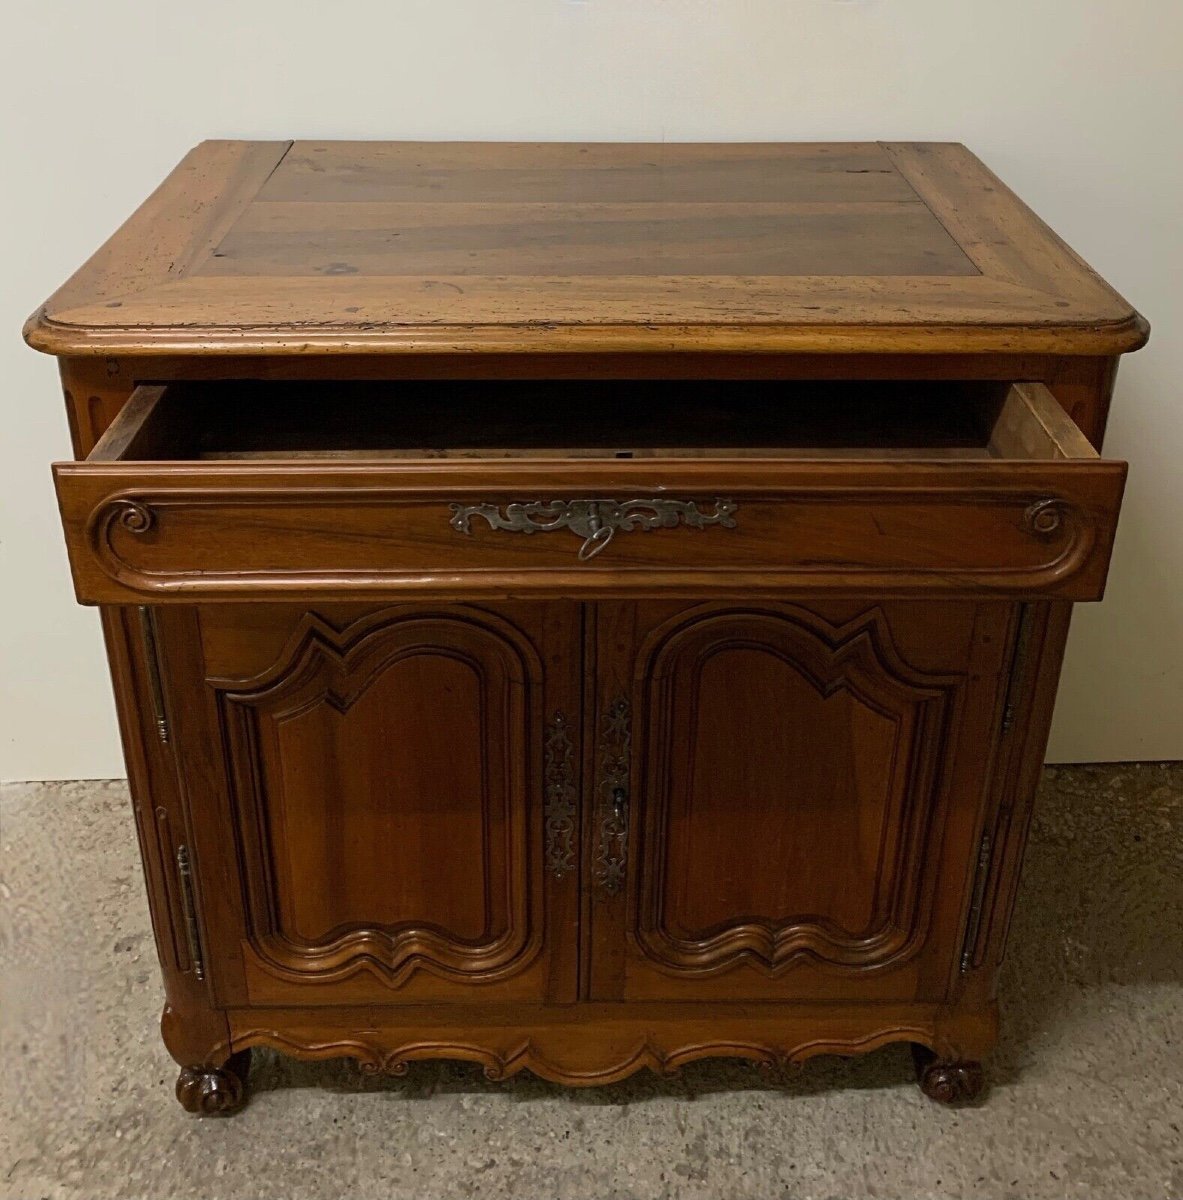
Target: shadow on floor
<point>1101,901</point>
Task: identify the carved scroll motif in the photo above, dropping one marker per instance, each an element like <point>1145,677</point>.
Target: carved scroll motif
<point>1044,518</point>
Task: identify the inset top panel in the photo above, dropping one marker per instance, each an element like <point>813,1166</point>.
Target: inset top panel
<point>396,247</point>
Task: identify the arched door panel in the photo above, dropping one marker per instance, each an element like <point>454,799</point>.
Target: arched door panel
<point>793,786</point>
<point>383,793</point>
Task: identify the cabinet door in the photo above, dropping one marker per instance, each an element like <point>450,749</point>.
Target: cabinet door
<point>787,799</point>
<point>383,801</point>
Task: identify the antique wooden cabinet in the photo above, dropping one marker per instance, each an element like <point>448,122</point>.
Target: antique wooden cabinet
<point>584,607</point>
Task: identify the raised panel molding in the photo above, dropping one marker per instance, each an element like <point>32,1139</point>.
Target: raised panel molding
<point>323,667</point>
<point>858,658</point>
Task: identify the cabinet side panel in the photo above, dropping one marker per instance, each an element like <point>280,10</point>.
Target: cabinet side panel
<point>195,1030</point>
<point>1030,703</point>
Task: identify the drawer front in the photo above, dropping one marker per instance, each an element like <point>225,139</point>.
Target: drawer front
<point>154,532</point>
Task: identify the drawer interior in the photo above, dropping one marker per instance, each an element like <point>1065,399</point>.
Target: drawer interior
<point>248,420</point>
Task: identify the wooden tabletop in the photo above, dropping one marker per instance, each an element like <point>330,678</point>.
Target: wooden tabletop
<point>399,247</point>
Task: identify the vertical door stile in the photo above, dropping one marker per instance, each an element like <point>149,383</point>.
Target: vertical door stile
<point>564,748</point>
<point>610,822</point>
<point>589,614</point>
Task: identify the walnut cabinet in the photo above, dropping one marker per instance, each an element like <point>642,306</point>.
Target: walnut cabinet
<point>584,608</point>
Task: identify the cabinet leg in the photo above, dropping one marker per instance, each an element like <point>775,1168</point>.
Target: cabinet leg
<point>947,1080</point>
<point>215,1091</point>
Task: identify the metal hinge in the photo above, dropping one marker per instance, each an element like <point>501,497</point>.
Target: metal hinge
<point>1017,668</point>
<point>560,797</point>
<point>612,790</point>
<point>152,659</point>
<point>190,910</point>
<point>975,909</point>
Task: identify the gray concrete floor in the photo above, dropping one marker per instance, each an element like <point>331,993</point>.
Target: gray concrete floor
<point>1087,1095</point>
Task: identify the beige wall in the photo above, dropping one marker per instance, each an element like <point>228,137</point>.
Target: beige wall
<point>1078,105</point>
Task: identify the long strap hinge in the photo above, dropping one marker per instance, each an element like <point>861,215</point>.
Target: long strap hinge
<point>1017,669</point>
<point>189,907</point>
<point>974,924</point>
<point>155,681</point>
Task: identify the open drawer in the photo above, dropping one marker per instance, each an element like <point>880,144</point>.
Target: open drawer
<point>262,490</point>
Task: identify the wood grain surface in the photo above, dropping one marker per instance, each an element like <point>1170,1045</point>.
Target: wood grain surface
<point>396,247</point>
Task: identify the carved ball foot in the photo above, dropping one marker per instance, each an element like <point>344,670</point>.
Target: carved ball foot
<point>215,1091</point>
<point>948,1081</point>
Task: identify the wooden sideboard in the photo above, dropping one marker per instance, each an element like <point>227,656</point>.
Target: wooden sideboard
<point>584,607</point>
